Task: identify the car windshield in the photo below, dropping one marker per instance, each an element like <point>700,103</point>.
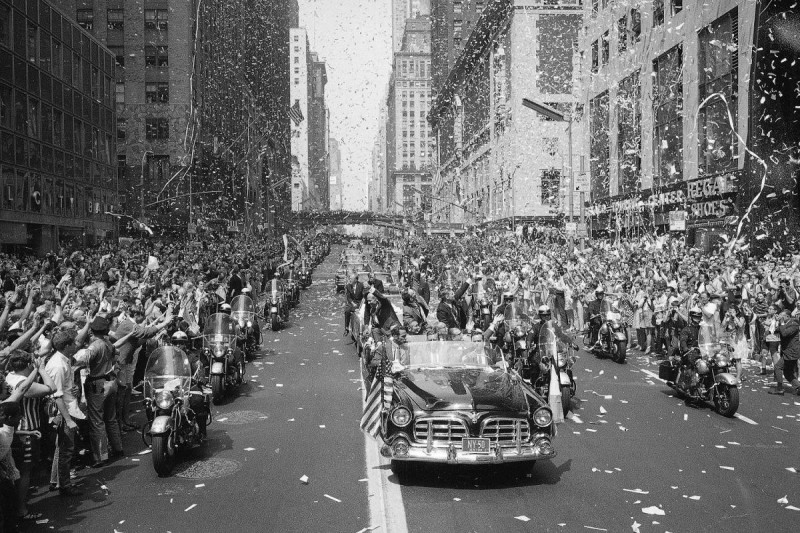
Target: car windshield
<point>386,278</point>
<point>167,369</point>
<point>440,354</point>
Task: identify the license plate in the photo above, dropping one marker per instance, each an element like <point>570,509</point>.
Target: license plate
<point>476,445</point>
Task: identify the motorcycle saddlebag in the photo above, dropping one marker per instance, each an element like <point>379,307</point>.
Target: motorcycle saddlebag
<point>667,371</point>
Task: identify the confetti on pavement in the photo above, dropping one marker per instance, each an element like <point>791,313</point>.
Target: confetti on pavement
<point>190,507</point>
<point>337,500</point>
<point>522,518</point>
<point>653,510</point>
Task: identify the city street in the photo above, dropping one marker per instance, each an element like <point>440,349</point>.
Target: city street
<point>632,458</point>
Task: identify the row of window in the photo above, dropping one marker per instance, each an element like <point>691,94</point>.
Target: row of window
<point>50,124</point>
<point>155,129</point>
<point>628,32</point>
<point>25,191</point>
<point>154,55</point>
<point>66,55</point>
<point>659,8</point>
<point>416,68</point>
<point>154,19</point>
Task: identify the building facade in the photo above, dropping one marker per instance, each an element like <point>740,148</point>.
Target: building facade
<point>668,89</point>
<point>452,21</point>
<point>57,131</point>
<point>403,10</point>
<point>336,185</point>
<point>318,137</point>
<point>409,144</point>
<point>499,163</point>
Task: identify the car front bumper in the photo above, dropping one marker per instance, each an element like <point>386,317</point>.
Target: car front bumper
<point>455,456</point>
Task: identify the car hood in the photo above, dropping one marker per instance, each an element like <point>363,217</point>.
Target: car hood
<point>462,389</point>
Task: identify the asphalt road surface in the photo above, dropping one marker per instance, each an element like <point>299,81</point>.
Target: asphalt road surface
<point>632,458</point>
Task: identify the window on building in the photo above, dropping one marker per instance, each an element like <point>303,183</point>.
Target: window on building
<point>5,25</point>
<point>636,26</point>
<point>296,60</point>
<point>677,6</point>
<point>5,106</point>
<point>297,81</point>
<point>119,93</point>
<point>296,38</point>
<point>457,26</point>
<point>629,133</point>
<point>85,19</point>
<point>718,73</point>
<point>551,183</point>
<point>156,19</point>
<point>156,129</point>
<point>156,56</point>
<point>33,41</point>
<point>115,19</point>
<point>158,168</point>
<point>658,12</point>
<point>119,55</point>
<point>599,153</point>
<point>122,129</point>
<point>595,56</point>
<point>157,93</point>
<point>668,117</point>
<point>622,34</point>
<point>605,48</point>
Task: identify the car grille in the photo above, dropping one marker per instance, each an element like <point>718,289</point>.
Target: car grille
<point>444,431</point>
<point>503,431</point>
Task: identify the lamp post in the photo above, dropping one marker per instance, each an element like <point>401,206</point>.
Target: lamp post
<point>141,184</point>
<point>552,114</point>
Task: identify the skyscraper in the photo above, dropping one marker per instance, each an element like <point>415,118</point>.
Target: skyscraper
<point>403,10</point>
<point>452,22</point>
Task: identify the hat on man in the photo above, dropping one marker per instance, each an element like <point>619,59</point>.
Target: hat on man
<point>100,324</point>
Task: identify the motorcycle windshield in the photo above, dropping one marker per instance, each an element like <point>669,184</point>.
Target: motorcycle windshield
<point>219,332</point>
<point>548,345</point>
<point>276,289</point>
<point>167,368</point>
<point>610,311</point>
<point>708,340</point>
<point>242,308</point>
<point>515,315</point>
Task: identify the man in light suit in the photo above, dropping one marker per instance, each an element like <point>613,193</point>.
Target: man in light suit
<point>354,294</point>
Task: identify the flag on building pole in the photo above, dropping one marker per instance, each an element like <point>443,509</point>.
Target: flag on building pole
<point>379,398</point>
<point>296,114</point>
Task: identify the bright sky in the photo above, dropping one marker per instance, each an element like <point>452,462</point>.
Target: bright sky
<point>355,39</point>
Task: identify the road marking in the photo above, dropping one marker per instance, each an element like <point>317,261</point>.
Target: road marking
<point>736,415</point>
<point>383,507</point>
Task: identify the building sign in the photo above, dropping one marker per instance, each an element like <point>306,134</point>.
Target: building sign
<point>706,198</point>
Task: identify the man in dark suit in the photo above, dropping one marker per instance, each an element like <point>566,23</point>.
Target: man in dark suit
<point>423,289</point>
<point>453,311</point>
<point>379,314</point>
<point>354,294</point>
<point>234,284</point>
<point>375,282</point>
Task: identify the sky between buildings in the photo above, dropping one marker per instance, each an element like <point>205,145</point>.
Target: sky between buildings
<point>355,39</point>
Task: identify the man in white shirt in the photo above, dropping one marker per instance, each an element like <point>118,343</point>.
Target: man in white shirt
<point>63,377</point>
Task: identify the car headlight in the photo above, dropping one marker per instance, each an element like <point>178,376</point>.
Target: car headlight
<point>401,417</point>
<point>164,399</point>
<point>542,417</point>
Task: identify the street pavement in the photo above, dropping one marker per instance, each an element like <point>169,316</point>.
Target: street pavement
<point>632,457</point>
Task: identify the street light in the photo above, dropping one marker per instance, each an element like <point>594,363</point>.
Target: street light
<point>557,116</point>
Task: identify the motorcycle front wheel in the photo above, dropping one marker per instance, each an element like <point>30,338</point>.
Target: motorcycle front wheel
<point>726,400</point>
<point>275,322</point>
<point>622,350</point>
<point>162,455</point>
<point>217,387</point>
<point>566,398</point>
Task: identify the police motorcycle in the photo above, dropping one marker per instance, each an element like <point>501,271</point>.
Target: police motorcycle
<point>292,287</point>
<point>517,325</point>
<point>243,312</point>
<point>176,407</point>
<point>304,274</point>
<point>275,309</point>
<point>226,359</point>
<point>708,378</point>
<point>482,307</point>
<point>612,339</point>
<point>555,358</point>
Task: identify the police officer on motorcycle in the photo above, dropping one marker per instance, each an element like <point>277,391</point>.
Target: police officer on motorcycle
<point>595,309</point>
<point>545,319</point>
<point>199,402</point>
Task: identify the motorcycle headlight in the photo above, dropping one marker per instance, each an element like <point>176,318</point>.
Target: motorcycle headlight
<point>562,359</point>
<point>721,360</point>
<point>219,352</point>
<point>241,322</point>
<point>518,332</point>
<point>542,417</point>
<point>401,417</point>
<point>249,323</point>
<point>164,399</point>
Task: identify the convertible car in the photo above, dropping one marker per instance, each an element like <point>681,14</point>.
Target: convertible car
<point>390,286</point>
<point>458,402</point>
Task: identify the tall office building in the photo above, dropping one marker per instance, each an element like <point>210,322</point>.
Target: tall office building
<point>408,142</point>
<point>336,185</point>
<point>180,103</point>
<point>57,131</point>
<point>452,22</point>
<point>403,10</point>
<point>309,126</point>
